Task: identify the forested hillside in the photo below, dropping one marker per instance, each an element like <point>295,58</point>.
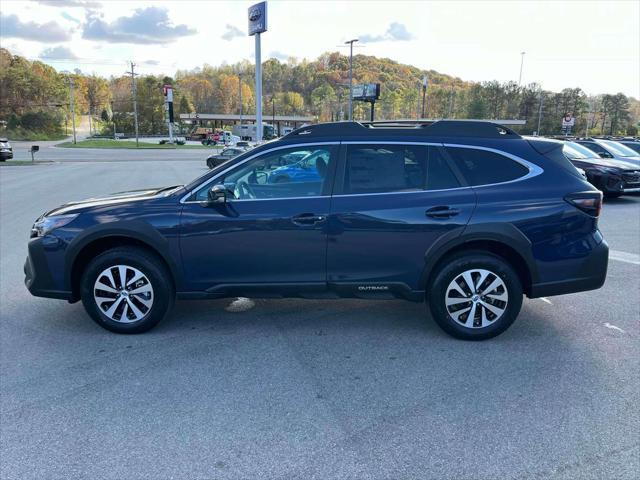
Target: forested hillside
<point>35,99</point>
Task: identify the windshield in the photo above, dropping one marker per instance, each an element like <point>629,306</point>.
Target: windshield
<point>619,149</point>
<point>198,180</point>
<point>575,151</point>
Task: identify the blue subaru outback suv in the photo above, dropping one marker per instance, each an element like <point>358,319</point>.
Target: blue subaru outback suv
<point>467,216</point>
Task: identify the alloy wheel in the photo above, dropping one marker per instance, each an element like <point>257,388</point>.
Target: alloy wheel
<point>476,298</point>
<point>123,293</point>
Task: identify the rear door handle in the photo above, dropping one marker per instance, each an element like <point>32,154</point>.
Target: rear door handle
<point>308,219</point>
<point>442,212</point>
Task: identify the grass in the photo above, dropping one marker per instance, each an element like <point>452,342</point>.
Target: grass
<point>28,135</point>
<point>105,143</point>
<point>21,163</point>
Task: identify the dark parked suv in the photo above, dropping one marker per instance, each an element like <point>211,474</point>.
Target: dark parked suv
<point>468,216</point>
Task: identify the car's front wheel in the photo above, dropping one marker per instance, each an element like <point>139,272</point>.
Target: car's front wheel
<point>127,290</point>
<point>475,296</point>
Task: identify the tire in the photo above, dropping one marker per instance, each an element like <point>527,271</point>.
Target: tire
<point>210,163</point>
<point>452,318</point>
<point>135,313</point>
<point>612,194</point>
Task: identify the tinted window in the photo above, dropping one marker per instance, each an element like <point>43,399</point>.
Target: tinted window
<point>272,175</point>
<point>576,151</point>
<point>619,149</point>
<point>439,175</point>
<point>481,167</point>
<point>596,148</point>
<point>635,146</point>
<point>384,168</point>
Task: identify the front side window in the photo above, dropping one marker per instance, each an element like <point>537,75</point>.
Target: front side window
<point>384,168</point>
<point>284,173</point>
<point>483,167</point>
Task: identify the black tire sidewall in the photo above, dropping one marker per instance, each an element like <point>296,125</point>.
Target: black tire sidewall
<point>151,266</point>
<point>457,265</point>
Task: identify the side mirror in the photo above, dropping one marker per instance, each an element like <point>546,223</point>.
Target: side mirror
<point>217,194</point>
<point>605,155</point>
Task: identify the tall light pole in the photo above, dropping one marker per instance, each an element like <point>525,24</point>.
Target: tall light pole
<point>425,83</point>
<point>240,93</point>
<point>134,94</point>
<point>350,43</point>
<point>71,105</point>
<point>540,113</point>
<point>521,64</point>
<point>73,108</point>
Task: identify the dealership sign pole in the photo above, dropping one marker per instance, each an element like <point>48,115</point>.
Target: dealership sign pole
<point>168,105</point>
<point>257,25</point>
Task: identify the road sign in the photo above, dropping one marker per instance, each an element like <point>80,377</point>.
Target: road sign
<point>568,121</point>
<point>258,18</point>
<point>366,92</point>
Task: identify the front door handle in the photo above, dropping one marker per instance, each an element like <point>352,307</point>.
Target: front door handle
<point>306,219</point>
<point>442,212</point>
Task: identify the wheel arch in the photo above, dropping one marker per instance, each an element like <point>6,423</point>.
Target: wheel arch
<point>102,239</point>
<point>503,240</point>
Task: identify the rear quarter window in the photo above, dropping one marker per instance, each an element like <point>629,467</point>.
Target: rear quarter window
<point>482,167</point>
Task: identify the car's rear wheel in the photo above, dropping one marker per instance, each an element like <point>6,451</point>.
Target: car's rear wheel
<point>127,290</point>
<point>210,163</point>
<point>475,296</point>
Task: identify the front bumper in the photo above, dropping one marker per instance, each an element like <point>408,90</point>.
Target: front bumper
<point>590,274</point>
<point>38,277</point>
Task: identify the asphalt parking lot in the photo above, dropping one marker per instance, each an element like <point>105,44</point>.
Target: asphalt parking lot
<point>309,389</point>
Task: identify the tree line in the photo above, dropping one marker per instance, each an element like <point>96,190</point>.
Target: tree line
<point>36,98</point>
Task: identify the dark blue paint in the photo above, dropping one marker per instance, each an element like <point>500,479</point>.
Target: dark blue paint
<point>361,239</point>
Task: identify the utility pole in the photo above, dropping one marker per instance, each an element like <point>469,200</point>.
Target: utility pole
<point>240,93</point>
<point>540,113</point>
<point>589,113</point>
<point>113,120</point>
<point>425,82</point>
<point>451,95</point>
<point>90,119</point>
<point>350,43</point>
<point>73,108</point>
<point>521,64</point>
<point>135,101</point>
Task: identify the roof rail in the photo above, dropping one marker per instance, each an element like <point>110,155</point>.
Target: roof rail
<point>440,128</point>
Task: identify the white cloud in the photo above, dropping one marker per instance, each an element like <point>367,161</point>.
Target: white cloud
<point>57,53</point>
<point>149,25</point>
<point>232,32</point>
<point>396,32</point>
<point>12,26</point>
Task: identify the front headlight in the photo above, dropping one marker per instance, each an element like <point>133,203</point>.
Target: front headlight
<point>44,225</point>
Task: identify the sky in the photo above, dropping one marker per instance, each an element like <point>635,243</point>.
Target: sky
<point>594,45</point>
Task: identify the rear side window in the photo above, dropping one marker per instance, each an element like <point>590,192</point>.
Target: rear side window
<point>384,168</point>
<point>439,174</point>
<point>482,167</point>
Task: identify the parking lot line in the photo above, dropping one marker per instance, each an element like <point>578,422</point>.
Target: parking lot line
<point>624,257</point>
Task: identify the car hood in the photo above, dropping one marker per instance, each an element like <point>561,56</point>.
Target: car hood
<point>113,199</point>
<point>605,162</point>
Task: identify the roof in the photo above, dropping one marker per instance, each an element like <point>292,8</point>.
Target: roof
<point>440,128</point>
